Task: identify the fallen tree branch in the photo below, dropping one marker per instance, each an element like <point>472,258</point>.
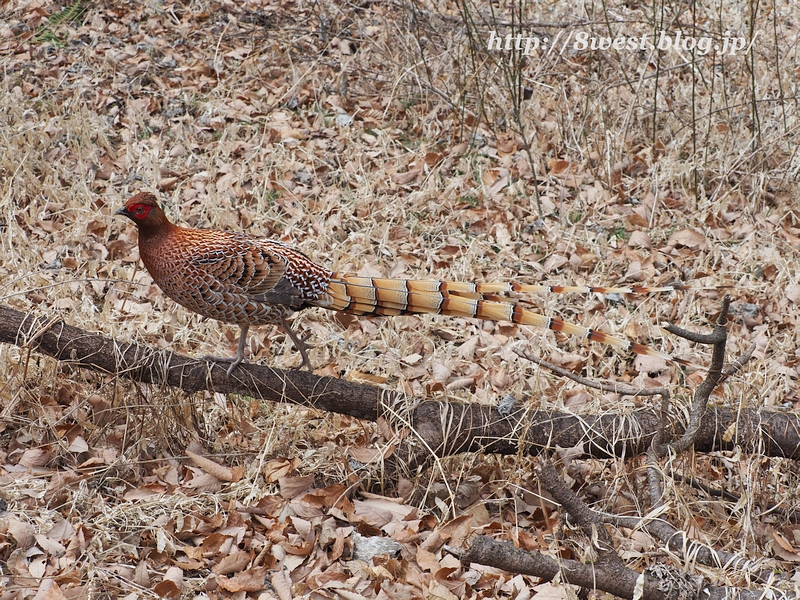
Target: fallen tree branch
<point>140,363</point>
<point>608,573</point>
<point>439,428</point>
<point>503,555</point>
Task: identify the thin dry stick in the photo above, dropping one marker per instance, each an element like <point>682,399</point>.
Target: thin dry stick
<point>617,388</point>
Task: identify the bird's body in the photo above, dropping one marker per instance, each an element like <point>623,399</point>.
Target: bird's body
<point>231,277</point>
<point>250,280</point>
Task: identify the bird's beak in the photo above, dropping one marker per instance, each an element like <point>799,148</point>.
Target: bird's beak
<point>121,211</point>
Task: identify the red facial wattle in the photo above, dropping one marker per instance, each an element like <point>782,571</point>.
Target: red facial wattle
<point>140,211</point>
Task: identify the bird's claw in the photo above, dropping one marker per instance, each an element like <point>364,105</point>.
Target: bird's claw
<point>235,361</point>
<point>234,364</point>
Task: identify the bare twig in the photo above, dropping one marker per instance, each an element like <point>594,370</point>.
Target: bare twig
<point>616,388</point>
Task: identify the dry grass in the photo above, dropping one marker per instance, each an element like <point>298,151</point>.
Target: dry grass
<point>303,124</point>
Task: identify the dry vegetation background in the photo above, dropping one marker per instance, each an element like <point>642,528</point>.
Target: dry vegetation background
<point>381,138</point>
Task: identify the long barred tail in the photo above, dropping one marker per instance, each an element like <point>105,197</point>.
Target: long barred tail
<point>378,296</point>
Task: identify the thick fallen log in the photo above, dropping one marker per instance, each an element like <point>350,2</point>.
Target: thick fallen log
<point>447,428</point>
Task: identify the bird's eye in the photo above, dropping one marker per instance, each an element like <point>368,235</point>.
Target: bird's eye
<point>139,211</point>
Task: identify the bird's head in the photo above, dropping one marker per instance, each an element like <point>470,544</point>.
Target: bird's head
<point>143,209</point>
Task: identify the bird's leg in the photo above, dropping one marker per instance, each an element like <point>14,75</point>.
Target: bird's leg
<point>240,349</point>
<point>236,360</point>
<point>299,343</point>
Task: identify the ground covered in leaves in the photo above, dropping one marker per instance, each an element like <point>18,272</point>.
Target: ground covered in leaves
<point>381,138</point>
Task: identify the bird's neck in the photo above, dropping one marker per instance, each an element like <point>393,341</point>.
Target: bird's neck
<point>157,244</point>
<point>150,233</point>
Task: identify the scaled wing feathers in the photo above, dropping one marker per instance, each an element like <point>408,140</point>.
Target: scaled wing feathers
<point>243,265</point>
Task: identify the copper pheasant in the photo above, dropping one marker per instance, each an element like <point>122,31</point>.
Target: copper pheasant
<point>249,280</point>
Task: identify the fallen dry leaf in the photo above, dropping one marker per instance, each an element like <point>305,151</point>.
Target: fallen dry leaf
<point>689,238</point>
<point>292,487</point>
<point>232,563</point>
<point>275,469</point>
<point>23,533</point>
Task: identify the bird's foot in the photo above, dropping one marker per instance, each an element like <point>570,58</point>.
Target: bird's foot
<point>299,344</point>
<point>303,349</point>
<point>234,360</point>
